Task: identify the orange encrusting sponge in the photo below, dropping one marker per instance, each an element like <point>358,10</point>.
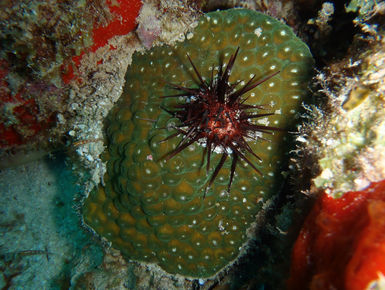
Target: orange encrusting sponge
<point>342,242</point>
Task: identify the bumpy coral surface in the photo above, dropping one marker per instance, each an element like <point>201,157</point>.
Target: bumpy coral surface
<point>158,211</point>
<point>342,243</point>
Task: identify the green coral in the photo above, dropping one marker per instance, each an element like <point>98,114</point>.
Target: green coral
<point>154,210</point>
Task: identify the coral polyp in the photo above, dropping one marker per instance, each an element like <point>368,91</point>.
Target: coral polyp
<point>215,115</point>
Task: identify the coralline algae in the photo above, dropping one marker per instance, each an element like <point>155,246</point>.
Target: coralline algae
<point>348,137</point>
<point>154,210</point>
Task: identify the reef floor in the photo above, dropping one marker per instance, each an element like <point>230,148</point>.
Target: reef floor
<point>41,240</point>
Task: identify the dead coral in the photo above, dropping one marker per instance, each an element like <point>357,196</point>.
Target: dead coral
<point>347,135</point>
<point>164,22</point>
<point>113,273</point>
<point>38,36</point>
<point>324,16</point>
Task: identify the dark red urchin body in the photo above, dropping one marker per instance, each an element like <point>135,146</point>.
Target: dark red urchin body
<point>216,115</point>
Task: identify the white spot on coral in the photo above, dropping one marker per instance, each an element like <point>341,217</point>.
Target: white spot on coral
<point>258,31</point>
<point>283,32</point>
<point>223,193</point>
<point>220,225</point>
<point>263,121</point>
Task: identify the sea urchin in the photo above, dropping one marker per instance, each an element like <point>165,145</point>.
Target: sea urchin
<point>215,114</point>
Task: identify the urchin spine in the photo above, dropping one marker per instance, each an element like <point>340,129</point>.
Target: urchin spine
<point>217,113</point>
